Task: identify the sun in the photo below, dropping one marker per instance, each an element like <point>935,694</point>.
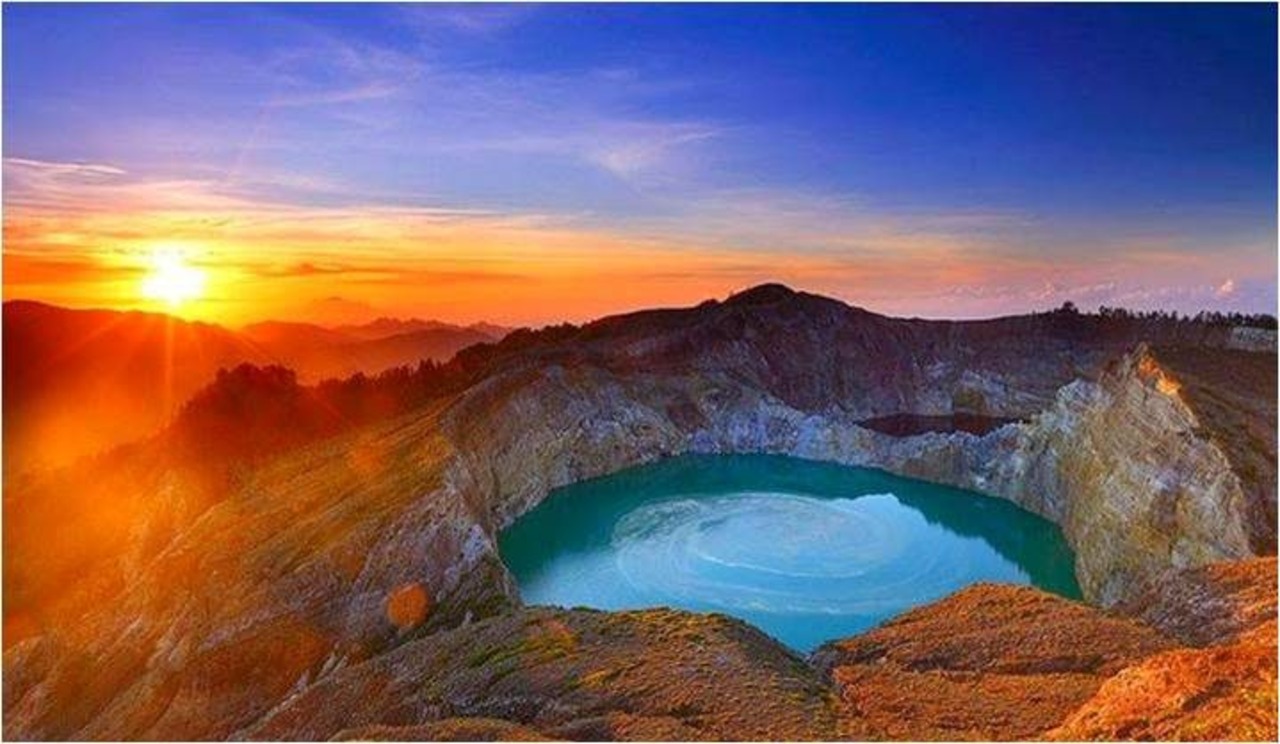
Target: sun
<point>171,279</point>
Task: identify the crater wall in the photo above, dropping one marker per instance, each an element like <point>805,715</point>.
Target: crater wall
<point>1120,462</point>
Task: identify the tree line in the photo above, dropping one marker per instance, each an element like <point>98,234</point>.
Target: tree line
<point>1204,317</point>
<point>250,412</point>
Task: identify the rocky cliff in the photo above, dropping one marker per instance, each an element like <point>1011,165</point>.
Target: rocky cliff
<point>342,589</point>
<point>1124,465</point>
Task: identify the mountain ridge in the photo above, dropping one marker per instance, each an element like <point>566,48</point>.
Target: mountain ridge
<point>78,381</point>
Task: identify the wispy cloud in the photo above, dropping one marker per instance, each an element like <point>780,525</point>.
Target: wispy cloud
<point>22,269</point>
<point>65,171</point>
<point>423,105</point>
<point>318,67</point>
<point>478,19</point>
<point>638,149</point>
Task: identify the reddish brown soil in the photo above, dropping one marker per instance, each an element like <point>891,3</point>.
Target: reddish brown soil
<point>989,662</point>
<point>1224,693</point>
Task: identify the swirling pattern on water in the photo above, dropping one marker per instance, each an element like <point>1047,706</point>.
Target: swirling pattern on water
<point>806,551</point>
<point>784,553</point>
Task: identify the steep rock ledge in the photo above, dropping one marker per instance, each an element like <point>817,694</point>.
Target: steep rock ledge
<point>1123,466</point>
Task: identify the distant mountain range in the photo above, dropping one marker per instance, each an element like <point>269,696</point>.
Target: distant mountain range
<point>385,327</point>
<point>79,381</point>
<point>318,352</point>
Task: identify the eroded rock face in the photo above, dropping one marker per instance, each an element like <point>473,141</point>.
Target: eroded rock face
<point>1121,465</point>
<point>303,583</point>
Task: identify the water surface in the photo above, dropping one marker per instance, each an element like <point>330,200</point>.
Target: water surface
<point>806,551</point>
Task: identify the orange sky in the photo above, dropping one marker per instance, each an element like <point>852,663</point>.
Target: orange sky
<point>85,237</point>
<point>82,235</point>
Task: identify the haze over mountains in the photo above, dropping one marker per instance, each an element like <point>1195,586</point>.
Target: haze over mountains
<point>317,352</point>
<point>79,381</point>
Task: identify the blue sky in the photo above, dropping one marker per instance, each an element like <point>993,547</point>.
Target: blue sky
<point>1121,154</point>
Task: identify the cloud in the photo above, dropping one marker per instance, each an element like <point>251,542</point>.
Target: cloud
<point>1226,289</point>
<point>83,187</point>
<point>30,182</point>
<point>1183,294</point>
<point>590,117</point>
<point>25,269</point>
<point>365,91</point>
<point>305,269</point>
<point>317,67</point>
<point>335,310</point>
<point>384,272</point>
<point>425,104</point>
<point>64,171</point>
<point>447,125</point>
<point>632,151</point>
<point>434,20</point>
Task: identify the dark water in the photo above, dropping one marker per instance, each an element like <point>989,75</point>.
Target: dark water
<point>910,424</point>
<point>806,551</point>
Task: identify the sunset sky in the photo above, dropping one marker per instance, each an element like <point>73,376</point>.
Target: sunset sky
<point>531,164</point>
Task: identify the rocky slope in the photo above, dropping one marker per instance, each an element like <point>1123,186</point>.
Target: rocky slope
<point>989,662</point>
<point>575,674</point>
<point>310,600</point>
<point>1124,466</point>
<point>1223,687</point>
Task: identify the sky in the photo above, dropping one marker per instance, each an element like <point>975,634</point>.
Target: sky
<point>529,164</point>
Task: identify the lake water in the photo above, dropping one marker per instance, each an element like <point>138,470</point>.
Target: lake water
<point>806,551</point>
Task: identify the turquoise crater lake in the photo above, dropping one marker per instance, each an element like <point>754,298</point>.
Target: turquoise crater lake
<point>806,551</point>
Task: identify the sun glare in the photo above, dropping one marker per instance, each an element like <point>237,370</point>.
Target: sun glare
<point>171,279</point>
